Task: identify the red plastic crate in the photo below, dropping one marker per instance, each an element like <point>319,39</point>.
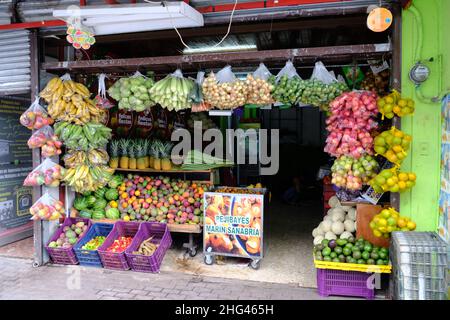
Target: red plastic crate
<point>115,260</point>
<point>344,283</point>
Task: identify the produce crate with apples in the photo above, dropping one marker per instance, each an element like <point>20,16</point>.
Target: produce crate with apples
<point>149,246</point>
<point>112,251</point>
<point>233,223</point>
<point>86,249</point>
<point>61,244</point>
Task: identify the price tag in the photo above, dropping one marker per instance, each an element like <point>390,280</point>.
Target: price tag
<point>378,66</point>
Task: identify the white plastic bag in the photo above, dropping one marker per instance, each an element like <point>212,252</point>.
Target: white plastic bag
<point>262,72</point>
<point>47,208</point>
<point>47,173</point>
<point>321,73</point>
<point>35,117</point>
<point>225,75</point>
<point>289,71</point>
<point>101,101</point>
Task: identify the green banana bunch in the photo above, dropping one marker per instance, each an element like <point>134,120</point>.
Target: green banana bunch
<point>85,137</point>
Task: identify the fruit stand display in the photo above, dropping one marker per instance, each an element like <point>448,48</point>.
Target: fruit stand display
<point>233,224</point>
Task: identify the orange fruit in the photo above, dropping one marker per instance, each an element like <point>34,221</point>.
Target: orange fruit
<point>411,225</point>
<point>412,177</point>
<point>401,223</point>
<point>402,185</point>
<point>377,233</point>
<point>126,218</point>
<point>403,176</point>
<point>382,223</point>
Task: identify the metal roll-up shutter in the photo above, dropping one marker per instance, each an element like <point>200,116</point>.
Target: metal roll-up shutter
<point>15,62</point>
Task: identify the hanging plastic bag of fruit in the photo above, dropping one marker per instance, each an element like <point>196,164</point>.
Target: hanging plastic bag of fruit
<point>35,117</point>
<point>172,92</point>
<point>395,105</point>
<point>48,173</point>
<point>288,86</point>
<point>133,93</point>
<point>392,180</point>
<point>223,90</point>
<point>393,144</point>
<point>259,89</point>
<point>47,208</point>
<point>46,139</point>
<point>321,73</point>
<point>101,101</point>
<point>196,95</point>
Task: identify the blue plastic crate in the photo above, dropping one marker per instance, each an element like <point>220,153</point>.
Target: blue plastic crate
<point>91,258</point>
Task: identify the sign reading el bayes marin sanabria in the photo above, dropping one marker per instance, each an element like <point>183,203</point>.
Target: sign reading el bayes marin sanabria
<point>233,224</point>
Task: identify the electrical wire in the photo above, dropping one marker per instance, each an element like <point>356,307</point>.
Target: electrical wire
<point>181,38</point>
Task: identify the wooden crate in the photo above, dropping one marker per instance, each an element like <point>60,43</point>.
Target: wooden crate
<point>365,214</point>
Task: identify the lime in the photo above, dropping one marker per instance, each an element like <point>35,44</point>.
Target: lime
<point>380,262</point>
<point>348,259</point>
<point>365,255</point>
<point>333,255</point>
<point>338,250</point>
<point>370,261</point>
<point>361,261</point>
<point>341,258</point>
<point>326,252</point>
<point>356,255</point>
<point>368,248</point>
<point>349,245</point>
<point>374,255</point>
<point>325,242</point>
<point>335,260</point>
<point>327,259</point>
<point>346,251</point>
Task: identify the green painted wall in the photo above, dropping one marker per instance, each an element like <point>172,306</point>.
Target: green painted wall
<point>433,18</point>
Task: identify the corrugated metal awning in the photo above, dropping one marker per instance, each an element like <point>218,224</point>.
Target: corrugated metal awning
<point>15,63</point>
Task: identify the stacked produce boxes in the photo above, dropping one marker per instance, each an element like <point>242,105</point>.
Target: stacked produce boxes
<point>420,266</point>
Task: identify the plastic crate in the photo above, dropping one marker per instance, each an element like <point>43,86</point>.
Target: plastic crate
<point>91,257</point>
<point>402,293</point>
<point>344,283</point>
<point>64,255</point>
<point>161,236</point>
<point>114,260</point>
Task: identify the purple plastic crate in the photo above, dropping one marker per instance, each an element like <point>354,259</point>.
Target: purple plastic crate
<point>112,260</point>
<point>161,236</point>
<point>64,255</point>
<point>344,283</point>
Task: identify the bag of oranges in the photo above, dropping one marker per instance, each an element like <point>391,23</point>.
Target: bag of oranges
<point>393,145</point>
<point>394,105</point>
<point>391,180</point>
<point>389,220</point>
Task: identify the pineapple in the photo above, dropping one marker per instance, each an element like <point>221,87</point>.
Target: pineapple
<point>114,161</point>
<point>140,154</point>
<point>124,160</point>
<point>132,155</point>
<point>145,151</point>
<point>165,151</point>
<point>156,147</point>
<point>151,154</point>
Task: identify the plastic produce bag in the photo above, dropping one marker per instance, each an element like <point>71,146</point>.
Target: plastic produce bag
<point>288,71</point>
<point>47,208</point>
<point>262,72</point>
<point>173,92</point>
<point>196,95</point>
<point>47,173</point>
<point>101,101</point>
<point>259,89</point>
<point>321,73</point>
<point>353,75</point>
<point>133,93</point>
<point>224,91</point>
<point>35,117</point>
<point>45,138</point>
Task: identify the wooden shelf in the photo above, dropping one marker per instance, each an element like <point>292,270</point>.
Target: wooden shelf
<point>216,60</point>
<point>179,228</point>
<point>165,171</point>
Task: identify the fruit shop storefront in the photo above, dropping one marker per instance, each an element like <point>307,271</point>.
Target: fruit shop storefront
<point>304,65</point>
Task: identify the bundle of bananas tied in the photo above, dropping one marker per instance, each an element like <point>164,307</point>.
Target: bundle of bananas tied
<point>70,101</point>
<point>83,137</point>
<point>85,178</point>
<point>93,157</point>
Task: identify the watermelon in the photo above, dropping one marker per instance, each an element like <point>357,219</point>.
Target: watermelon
<point>111,194</point>
<point>113,213</point>
<point>98,214</point>
<point>115,181</point>
<point>91,200</point>
<point>100,204</point>
<point>80,204</point>
<point>100,193</point>
<point>85,214</point>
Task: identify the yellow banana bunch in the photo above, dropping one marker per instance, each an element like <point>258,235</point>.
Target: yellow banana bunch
<point>84,178</point>
<point>69,101</point>
<point>98,156</point>
<point>75,158</point>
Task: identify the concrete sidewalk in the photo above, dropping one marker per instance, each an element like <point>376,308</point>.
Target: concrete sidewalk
<point>19,280</point>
